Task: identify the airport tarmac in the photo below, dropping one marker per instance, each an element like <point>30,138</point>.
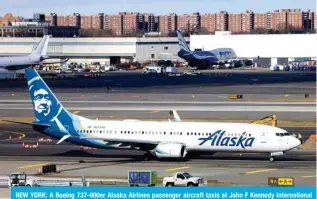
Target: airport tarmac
<point>248,169</point>
<point>128,96</point>
<point>224,82</point>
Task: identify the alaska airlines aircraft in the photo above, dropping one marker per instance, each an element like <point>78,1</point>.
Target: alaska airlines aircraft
<point>207,59</point>
<point>35,58</point>
<point>160,139</point>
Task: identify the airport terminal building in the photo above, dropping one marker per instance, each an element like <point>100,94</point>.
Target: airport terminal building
<point>105,50</point>
<point>270,49</point>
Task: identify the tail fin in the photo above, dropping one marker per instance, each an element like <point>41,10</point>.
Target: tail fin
<point>42,46</point>
<point>181,41</point>
<point>46,106</point>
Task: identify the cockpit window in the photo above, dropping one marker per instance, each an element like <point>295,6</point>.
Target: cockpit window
<point>282,134</point>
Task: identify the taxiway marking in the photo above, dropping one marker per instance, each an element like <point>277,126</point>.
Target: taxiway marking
<point>178,168</point>
<point>32,165</point>
<point>260,171</point>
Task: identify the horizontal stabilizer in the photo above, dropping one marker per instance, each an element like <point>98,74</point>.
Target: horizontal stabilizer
<point>65,137</point>
<point>27,123</point>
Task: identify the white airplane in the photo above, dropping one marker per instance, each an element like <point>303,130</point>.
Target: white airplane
<point>160,139</point>
<point>35,58</point>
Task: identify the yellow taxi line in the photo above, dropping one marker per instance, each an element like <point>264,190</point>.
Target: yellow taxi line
<point>309,176</point>
<point>156,111</point>
<point>32,165</point>
<point>76,112</point>
<point>178,168</point>
<point>259,171</point>
<point>21,134</point>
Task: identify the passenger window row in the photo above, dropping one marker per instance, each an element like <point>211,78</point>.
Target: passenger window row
<point>161,133</point>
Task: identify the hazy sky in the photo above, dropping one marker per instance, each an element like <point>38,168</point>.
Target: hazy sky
<point>26,8</point>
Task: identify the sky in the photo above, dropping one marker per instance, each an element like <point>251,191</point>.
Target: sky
<point>26,8</point>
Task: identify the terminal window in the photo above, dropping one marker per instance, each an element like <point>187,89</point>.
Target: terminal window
<point>197,49</point>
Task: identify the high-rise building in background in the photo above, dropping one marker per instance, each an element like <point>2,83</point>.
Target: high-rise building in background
<point>248,22</point>
<point>261,22</point>
<point>295,19</point>
<point>278,19</point>
<point>308,20</point>
<point>172,22</point>
<point>208,23</point>
<point>163,26</point>
<point>183,22</point>
<point>235,23</point>
<point>9,18</point>
<point>69,20</point>
<point>222,21</point>
<point>114,24</point>
<point>195,22</point>
<point>132,23</point>
<point>149,23</point>
<point>51,19</point>
<point>92,21</point>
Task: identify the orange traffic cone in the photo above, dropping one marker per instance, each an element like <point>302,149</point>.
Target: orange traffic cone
<point>37,145</point>
<point>23,146</point>
<point>10,138</point>
<point>57,170</point>
<point>20,138</point>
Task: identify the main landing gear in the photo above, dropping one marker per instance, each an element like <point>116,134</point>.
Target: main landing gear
<point>272,159</point>
<point>148,156</point>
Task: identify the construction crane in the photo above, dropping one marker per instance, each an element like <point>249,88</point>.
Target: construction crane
<point>272,118</point>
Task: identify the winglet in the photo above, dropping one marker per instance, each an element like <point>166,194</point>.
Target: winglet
<point>173,113</point>
<point>65,137</point>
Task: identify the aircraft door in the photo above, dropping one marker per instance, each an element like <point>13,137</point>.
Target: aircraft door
<point>263,137</point>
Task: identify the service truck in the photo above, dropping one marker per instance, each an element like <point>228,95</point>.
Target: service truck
<point>183,179</point>
<point>20,179</point>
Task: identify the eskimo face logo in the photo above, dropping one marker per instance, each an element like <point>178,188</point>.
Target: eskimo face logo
<point>42,102</point>
<point>218,139</point>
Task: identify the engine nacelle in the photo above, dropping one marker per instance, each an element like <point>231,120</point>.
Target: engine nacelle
<point>170,150</point>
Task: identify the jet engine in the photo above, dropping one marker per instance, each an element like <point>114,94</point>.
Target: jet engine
<point>170,150</point>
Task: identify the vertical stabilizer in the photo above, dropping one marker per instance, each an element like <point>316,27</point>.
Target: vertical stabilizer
<point>181,41</point>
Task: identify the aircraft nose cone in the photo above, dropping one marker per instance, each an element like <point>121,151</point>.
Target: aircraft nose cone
<point>296,142</point>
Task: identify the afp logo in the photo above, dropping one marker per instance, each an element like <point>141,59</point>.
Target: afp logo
<point>218,139</point>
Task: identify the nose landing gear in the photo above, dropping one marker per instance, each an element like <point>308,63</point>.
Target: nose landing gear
<point>274,154</point>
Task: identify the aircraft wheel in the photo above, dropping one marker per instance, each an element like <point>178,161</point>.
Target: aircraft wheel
<point>272,159</point>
